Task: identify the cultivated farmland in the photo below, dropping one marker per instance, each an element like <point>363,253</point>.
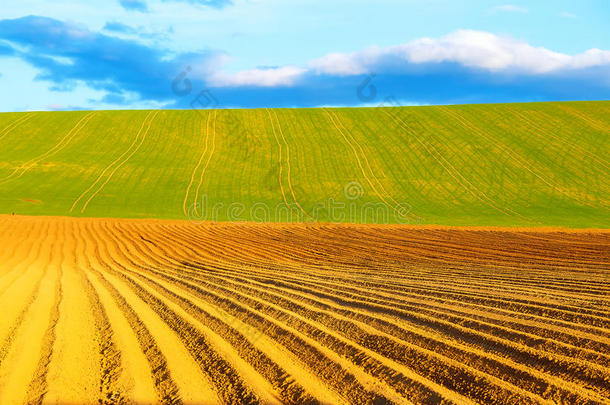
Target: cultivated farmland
<point>539,164</point>
<point>425,255</point>
<point>166,311</point>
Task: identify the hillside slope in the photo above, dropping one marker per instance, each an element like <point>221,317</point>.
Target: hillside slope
<point>540,164</point>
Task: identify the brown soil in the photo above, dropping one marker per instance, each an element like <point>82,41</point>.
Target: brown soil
<point>109,310</point>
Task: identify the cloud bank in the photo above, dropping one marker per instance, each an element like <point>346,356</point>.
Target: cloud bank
<point>465,66</point>
<point>468,48</point>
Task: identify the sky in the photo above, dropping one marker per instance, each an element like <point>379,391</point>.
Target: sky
<point>141,54</point>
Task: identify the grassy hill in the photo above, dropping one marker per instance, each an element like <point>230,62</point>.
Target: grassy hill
<point>540,164</point>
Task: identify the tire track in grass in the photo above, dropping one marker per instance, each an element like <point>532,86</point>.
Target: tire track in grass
<point>511,153</point>
<point>372,172</point>
<point>308,159</point>
<point>207,163</point>
<point>452,171</point>
<point>120,164</point>
<point>455,174</point>
<point>15,124</point>
<point>287,162</point>
<point>117,163</point>
<point>452,145</point>
<point>550,133</point>
<point>63,142</point>
<point>558,158</point>
<point>280,160</point>
<point>592,122</point>
<point>406,159</point>
<point>205,149</point>
<point>568,146</point>
<point>332,116</point>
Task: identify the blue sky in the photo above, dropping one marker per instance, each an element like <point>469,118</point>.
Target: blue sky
<point>301,53</point>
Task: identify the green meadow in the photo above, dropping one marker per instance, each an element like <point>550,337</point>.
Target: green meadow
<point>535,164</point>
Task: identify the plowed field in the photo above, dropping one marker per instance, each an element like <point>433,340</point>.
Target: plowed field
<point>110,311</point>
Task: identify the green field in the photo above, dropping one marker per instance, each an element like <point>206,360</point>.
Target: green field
<point>538,164</point>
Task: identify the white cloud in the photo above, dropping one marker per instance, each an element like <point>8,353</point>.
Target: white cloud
<point>468,48</point>
<point>346,64</point>
<point>265,77</point>
<point>510,8</point>
<point>340,64</point>
<point>474,49</point>
<point>484,50</point>
<point>590,58</point>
